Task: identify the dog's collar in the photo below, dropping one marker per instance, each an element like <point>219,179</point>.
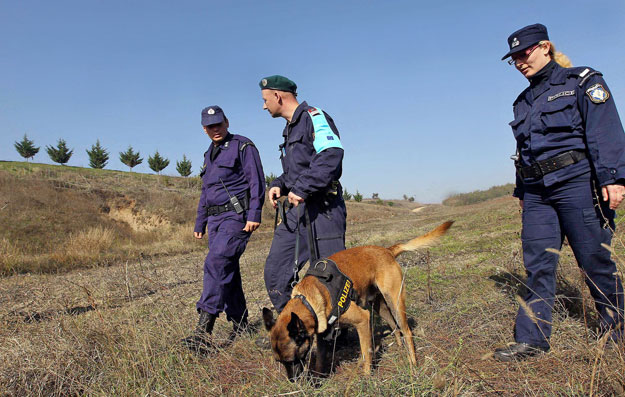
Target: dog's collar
<point>310,309</point>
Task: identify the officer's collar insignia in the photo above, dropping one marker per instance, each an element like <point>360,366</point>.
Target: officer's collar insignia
<point>597,93</point>
<point>226,144</point>
<point>515,42</point>
<point>264,82</point>
<point>210,111</point>
<point>560,94</point>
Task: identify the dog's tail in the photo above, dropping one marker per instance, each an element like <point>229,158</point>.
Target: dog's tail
<point>423,241</point>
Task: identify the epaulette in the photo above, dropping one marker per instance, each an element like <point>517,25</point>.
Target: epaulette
<point>246,144</point>
<point>584,74</point>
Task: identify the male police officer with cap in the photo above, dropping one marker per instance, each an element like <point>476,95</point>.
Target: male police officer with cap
<point>233,193</point>
<point>311,156</point>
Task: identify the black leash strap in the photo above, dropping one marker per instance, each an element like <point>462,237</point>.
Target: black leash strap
<point>280,212</point>
<point>295,267</point>
<point>312,247</point>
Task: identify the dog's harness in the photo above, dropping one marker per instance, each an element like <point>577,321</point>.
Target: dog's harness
<point>340,287</point>
<point>310,309</point>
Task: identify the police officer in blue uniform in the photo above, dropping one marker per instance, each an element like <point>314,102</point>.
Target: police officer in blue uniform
<point>233,193</point>
<point>311,156</point>
<point>570,174</point>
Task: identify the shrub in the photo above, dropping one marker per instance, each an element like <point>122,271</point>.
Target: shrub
<point>26,148</point>
<point>346,195</point>
<point>184,167</point>
<point>157,162</point>
<point>98,156</point>
<point>270,178</point>
<point>59,154</point>
<point>130,158</point>
<point>357,197</point>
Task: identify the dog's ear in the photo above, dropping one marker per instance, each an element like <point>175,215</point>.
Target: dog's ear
<point>268,319</point>
<point>296,328</point>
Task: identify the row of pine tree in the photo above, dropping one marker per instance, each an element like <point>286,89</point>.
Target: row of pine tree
<point>99,157</point>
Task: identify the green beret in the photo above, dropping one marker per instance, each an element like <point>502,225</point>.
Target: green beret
<point>279,83</point>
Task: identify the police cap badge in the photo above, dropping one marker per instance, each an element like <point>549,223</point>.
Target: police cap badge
<point>212,115</point>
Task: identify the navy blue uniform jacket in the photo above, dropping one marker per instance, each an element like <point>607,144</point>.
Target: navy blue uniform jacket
<point>240,170</point>
<point>560,117</point>
<point>306,172</point>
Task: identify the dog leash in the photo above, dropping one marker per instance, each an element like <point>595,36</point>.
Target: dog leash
<point>281,212</point>
<point>296,262</point>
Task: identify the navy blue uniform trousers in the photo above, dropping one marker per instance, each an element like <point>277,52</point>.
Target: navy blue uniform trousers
<point>568,209</point>
<point>222,290</point>
<point>328,226</point>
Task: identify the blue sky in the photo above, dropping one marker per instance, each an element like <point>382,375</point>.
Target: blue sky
<point>417,89</point>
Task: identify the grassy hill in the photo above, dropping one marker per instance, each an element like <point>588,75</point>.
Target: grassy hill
<point>115,330</point>
<point>55,218</point>
<point>478,196</point>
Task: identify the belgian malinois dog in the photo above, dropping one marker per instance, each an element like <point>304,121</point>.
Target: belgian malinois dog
<point>378,280</point>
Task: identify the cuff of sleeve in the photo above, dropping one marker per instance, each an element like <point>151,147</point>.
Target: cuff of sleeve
<point>275,183</point>
<point>254,215</point>
<point>609,176</point>
<point>200,228</point>
<point>518,193</point>
<point>299,193</point>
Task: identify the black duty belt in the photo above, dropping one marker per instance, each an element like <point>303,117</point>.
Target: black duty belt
<point>220,209</point>
<point>543,167</point>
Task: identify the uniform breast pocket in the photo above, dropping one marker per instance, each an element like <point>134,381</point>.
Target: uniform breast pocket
<point>226,166</point>
<point>559,115</point>
<point>520,127</point>
<point>293,143</point>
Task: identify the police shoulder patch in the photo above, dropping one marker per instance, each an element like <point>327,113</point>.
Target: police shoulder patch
<point>597,93</point>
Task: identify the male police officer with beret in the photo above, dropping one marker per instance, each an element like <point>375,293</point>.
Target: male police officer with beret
<point>233,193</point>
<point>570,176</point>
<point>311,156</point>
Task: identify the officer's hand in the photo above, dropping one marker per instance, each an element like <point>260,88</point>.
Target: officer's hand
<point>521,203</point>
<point>274,195</point>
<point>251,226</point>
<point>294,199</point>
<point>198,235</point>
<point>613,194</point>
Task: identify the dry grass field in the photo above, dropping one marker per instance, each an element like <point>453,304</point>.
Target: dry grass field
<point>94,304</point>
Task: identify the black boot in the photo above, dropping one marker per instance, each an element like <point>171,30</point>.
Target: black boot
<point>199,341</point>
<point>238,329</point>
<point>518,351</point>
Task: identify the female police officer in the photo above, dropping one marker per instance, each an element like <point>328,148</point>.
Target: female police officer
<point>570,146</point>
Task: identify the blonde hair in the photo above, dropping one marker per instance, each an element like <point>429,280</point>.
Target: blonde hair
<point>557,56</point>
